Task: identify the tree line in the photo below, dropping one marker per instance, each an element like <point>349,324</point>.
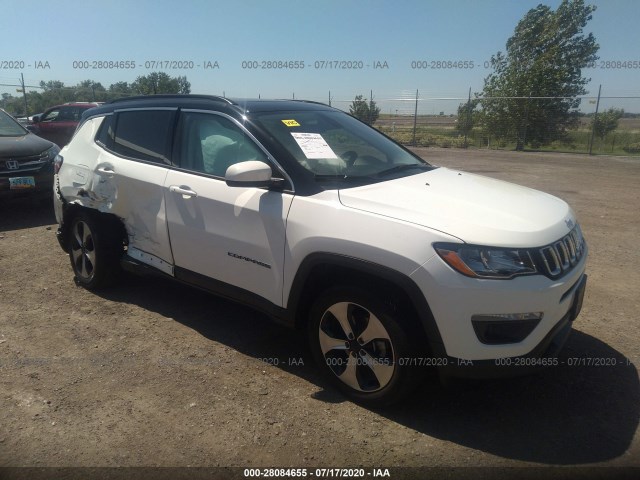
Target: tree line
<point>55,92</point>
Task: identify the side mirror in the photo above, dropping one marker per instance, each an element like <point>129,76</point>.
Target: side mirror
<point>249,174</point>
<point>35,119</point>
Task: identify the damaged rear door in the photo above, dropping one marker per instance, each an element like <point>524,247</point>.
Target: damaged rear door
<point>129,177</point>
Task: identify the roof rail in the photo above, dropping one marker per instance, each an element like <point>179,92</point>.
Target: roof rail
<point>176,95</point>
<point>306,101</point>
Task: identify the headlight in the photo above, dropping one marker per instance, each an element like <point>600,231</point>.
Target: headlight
<point>486,262</point>
<point>51,153</point>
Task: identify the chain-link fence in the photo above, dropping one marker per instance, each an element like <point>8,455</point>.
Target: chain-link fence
<point>460,121</point>
<point>528,123</point>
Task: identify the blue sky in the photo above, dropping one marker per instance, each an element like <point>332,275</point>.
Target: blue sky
<point>231,32</point>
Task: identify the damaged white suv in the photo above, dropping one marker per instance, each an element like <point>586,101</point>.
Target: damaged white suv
<point>392,265</point>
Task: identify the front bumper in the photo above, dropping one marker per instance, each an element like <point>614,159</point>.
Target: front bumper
<point>543,355</point>
<point>455,300</point>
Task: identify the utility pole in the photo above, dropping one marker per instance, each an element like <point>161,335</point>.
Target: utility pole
<point>468,119</point>
<point>415,119</point>
<point>595,119</point>
<point>526,122</point>
<point>24,95</point>
<point>370,106</point>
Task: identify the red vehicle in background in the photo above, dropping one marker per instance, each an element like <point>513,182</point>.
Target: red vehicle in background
<point>58,123</point>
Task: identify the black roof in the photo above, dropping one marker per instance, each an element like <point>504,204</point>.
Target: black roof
<point>206,102</point>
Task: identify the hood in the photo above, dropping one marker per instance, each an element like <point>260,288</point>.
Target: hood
<point>23,145</point>
<point>475,209</point>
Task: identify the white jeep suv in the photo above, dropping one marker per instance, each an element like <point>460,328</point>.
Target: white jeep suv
<point>303,212</point>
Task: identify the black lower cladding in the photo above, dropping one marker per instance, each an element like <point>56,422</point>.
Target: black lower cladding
<point>544,355</point>
<point>578,297</point>
<point>501,332</point>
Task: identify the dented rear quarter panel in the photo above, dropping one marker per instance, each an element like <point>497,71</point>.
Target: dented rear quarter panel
<point>130,189</point>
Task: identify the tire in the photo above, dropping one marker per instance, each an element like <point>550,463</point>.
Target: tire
<point>372,371</point>
<point>94,250</point>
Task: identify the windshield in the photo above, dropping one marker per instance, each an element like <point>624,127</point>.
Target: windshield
<point>334,144</point>
<point>9,127</point>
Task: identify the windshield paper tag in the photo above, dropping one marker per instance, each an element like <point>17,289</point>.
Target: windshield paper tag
<point>291,123</point>
<point>313,145</point>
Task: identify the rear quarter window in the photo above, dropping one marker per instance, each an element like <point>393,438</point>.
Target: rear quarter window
<point>106,134</point>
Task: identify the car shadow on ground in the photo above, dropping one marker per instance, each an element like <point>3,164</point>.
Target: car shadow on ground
<point>20,213</point>
<point>566,415</point>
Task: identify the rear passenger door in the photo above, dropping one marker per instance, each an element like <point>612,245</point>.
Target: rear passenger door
<point>132,169</point>
<point>235,235</point>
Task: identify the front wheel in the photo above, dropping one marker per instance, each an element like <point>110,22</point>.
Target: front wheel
<point>95,250</point>
<point>362,346</point>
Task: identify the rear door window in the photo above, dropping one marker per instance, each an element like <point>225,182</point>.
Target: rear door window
<point>144,134</point>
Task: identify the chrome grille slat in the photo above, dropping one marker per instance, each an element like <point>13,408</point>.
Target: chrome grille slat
<point>561,256</point>
<point>571,248</point>
<point>550,259</point>
<point>26,158</point>
<point>25,167</point>
<point>28,163</point>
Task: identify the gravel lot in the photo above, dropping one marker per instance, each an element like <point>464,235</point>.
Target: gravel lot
<point>152,373</point>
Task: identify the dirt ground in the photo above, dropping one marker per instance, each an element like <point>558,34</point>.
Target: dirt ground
<point>152,373</point>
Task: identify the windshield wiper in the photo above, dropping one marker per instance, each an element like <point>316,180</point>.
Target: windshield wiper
<point>342,176</point>
<point>404,166</point>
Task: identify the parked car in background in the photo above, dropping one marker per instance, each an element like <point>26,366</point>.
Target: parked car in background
<point>26,160</point>
<point>58,123</point>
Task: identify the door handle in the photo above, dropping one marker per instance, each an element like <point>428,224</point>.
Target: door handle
<point>183,190</point>
<point>106,171</point>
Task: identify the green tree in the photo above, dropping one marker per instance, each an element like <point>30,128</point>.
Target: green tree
<point>51,85</point>
<point>90,91</point>
<point>53,92</point>
<point>606,122</point>
<point>544,58</point>
<point>468,117</point>
<point>366,111</point>
<point>184,87</point>
<point>160,82</point>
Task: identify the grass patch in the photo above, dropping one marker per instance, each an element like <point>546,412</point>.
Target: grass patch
<point>620,142</point>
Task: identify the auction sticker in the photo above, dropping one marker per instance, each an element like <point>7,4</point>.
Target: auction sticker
<point>313,145</point>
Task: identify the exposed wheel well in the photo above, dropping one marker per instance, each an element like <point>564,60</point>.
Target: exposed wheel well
<point>72,209</point>
<point>323,276</point>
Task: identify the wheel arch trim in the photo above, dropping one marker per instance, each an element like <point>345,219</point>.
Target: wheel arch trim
<point>295,302</point>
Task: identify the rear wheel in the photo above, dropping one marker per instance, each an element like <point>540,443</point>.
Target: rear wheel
<point>362,346</point>
<point>95,250</point>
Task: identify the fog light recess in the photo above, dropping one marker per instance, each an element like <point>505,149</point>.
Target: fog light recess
<point>505,328</point>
